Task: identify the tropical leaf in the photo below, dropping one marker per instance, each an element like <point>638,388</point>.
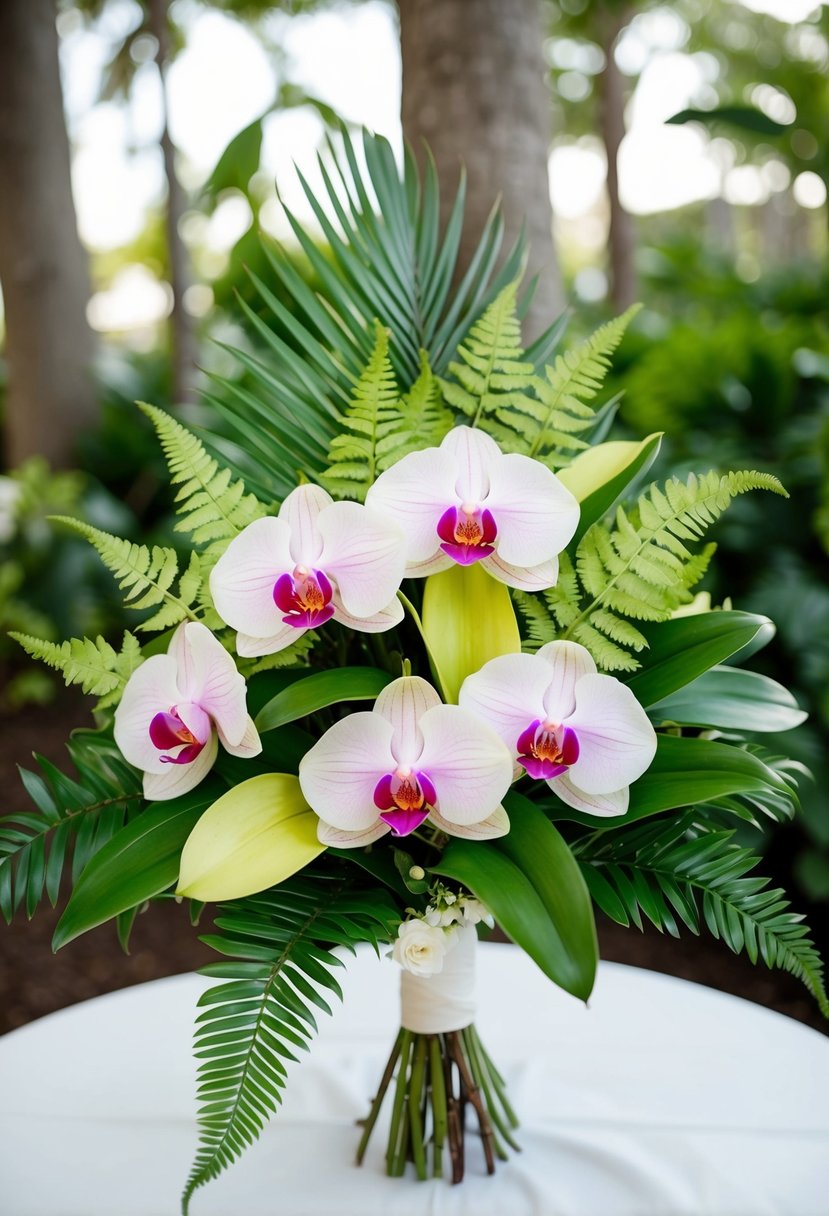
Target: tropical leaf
<point>279,964</point>
<point>146,575</point>
<point>388,257</point>
<point>687,871</point>
<point>100,670</point>
<point>73,819</point>
<point>213,508</point>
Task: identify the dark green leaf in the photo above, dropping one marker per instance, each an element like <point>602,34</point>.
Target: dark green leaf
<point>319,690</point>
<point>732,698</point>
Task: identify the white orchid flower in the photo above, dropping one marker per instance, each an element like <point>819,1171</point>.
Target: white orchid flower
<point>317,560</point>
<point>585,734</point>
<point>176,709</point>
<point>467,501</point>
<point>410,758</point>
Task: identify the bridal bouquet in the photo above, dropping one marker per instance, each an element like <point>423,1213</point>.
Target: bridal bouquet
<point>429,653</point>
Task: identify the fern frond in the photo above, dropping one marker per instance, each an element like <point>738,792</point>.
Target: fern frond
<point>642,567</point>
<point>280,945</point>
<point>490,371</point>
<point>540,627</point>
<point>424,419</point>
<point>213,507</point>
<point>146,575</point>
<point>564,393</point>
<point>100,670</point>
<point>371,422</point>
<point>690,871</point>
<point>292,656</point>
<point>73,818</point>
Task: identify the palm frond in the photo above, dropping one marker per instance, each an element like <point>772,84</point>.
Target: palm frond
<point>386,258</point>
<point>73,818</point>
<point>280,964</point>
<point>690,872</point>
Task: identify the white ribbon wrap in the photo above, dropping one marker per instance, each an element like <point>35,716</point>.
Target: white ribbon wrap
<point>439,1003</point>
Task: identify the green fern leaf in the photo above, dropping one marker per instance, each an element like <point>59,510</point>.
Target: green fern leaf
<point>213,507</point>
<point>642,568</point>
<point>424,420</point>
<point>280,946</point>
<point>94,664</point>
<point>689,871</point>
<point>539,625</point>
<point>371,423</point>
<point>146,575</point>
<point>490,371</point>
<point>548,424</point>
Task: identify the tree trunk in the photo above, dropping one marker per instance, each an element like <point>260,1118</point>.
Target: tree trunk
<point>474,89</point>
<point>182,335</point>
<point>622,237</point>
<point>43,267</point>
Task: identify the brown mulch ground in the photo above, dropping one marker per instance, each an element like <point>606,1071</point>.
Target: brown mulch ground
<point>34,982</point>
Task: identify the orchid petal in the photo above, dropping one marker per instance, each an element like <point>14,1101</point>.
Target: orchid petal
<point>249,745</point>
<point>414,493</point>
<point>465,761</point>
<point>474,456</point>
<point>535,513</point>
<point>243,579</point>
<point>523,578</point>
<point>378,622</point>
<point>496,824</point>
<point>436,564</point>
<point>403,703</point>
<point>151,689</point>
<point>365,552</point>
<point>568,662</point>
<point>339,774</point>
<point>602,805</point>
<point>175,779</point>
<point>249,647</point>
<point>207,676</point>
<point>616,739</point>
<point>301,511</point>
<point>339,839</point>
<point>508,694</point>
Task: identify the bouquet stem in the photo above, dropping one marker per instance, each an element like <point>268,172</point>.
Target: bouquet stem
<point>438,1077</point>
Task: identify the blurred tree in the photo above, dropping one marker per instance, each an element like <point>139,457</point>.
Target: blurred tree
<point>474,90</point>
<point>43,268</point>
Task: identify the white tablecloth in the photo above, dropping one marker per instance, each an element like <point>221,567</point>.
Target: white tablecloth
<point>662,1098</point>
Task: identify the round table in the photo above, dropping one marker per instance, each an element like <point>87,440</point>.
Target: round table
<point>662,1098</point>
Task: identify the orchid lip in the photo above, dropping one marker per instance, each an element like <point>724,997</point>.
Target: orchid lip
<point>547,749</point>
<point>404,799</point>
<point>304,597</point>
<point>168,732</point>
<point>466,533</point>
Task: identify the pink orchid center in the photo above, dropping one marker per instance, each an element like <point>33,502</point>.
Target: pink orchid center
<point>547,749</point>
<point>467,532</point>
<point>404,799</point>
<point>304,597</point>
<point>169,733</point>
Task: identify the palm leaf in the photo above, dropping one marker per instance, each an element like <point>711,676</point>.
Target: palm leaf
<point>278,945</point>
<point>688,871</point>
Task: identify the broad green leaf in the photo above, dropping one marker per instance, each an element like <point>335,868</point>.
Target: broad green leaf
<point>746,118</point>
<point>468,619</point>
<point>598,476</point>
<point>255,836</point>
<point>686,772</point>
<point>323,688</point>
<point>527,885</point>
<point>681,649</point>
<point>140,861</point>
<point>731,698</point>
